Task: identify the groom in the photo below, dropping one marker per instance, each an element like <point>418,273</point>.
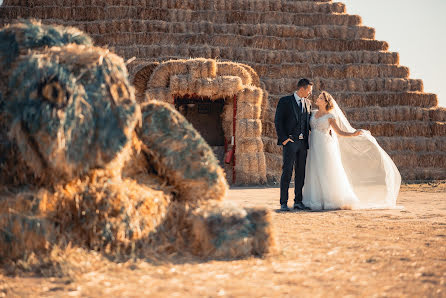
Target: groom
<point>292,122</point>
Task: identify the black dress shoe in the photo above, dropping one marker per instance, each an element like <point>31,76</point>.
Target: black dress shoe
<point>284,207</point>
<point>300,206</point>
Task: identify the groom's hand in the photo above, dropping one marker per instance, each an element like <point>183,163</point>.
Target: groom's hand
<point>286,141</point>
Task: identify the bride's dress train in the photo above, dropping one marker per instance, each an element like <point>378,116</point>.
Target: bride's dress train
<point>347,172</point>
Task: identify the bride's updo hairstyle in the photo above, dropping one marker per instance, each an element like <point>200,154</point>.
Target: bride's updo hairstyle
<point>328,99</point>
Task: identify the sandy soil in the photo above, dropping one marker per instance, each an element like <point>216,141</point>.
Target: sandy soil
<point>379,253</point>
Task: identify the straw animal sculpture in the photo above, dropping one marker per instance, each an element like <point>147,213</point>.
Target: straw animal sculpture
<point>82,163</point>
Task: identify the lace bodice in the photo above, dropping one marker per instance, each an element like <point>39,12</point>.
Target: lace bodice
<point>321,123</point>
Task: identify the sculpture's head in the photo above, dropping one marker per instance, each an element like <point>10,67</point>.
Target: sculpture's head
<point>69,105</point>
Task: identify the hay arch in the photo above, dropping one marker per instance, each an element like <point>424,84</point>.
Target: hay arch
<point>139,75</point>
<point>239,87</point>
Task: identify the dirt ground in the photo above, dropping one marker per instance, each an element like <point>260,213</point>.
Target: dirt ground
<point>373,253</point>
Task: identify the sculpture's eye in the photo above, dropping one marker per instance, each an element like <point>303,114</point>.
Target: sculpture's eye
<point>119,92</point>
<point>54,93</point>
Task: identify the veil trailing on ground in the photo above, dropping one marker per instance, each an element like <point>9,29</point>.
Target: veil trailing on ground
<point>373,175</point>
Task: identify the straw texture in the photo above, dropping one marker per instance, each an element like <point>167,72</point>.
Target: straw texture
<point>276,42</point>
<point>83,164</point>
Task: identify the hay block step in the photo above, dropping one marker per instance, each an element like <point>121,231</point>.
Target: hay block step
<point>250,5</point>
<point>253,56</point>
<point>407,159</point>
<point>401,113</point>
<point>332,71</point>
<point>257,41</point>
<point>91,13</point>
<point>287,86</point>
<point>142,26</point>
<point>403,128</point>
<point>378,99</point>
<point>423,174</point>
<point>413,144</point>
<point>424,100</point>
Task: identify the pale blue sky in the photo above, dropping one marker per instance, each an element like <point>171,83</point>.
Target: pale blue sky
<point>414,29</point>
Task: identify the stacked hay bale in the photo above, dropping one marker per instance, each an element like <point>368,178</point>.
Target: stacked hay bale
<point>282,41</point>
<point>208,78</point>
<point>84,166</point>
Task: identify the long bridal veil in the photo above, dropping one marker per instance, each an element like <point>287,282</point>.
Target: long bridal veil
<point>373,175</point>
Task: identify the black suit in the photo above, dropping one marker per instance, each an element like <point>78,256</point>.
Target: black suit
<point>290,122</point>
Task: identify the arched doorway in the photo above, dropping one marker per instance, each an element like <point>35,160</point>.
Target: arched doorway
<point>218,97</point>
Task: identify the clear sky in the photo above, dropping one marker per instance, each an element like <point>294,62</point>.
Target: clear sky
<point>416,30</point>
<point>413,28</point>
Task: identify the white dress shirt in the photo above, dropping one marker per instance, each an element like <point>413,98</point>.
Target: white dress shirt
<point>300,101</point>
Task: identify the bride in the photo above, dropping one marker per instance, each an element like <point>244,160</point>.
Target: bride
<point>347,172</point>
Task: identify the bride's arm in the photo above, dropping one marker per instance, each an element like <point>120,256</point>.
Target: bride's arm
<point>341,132</point>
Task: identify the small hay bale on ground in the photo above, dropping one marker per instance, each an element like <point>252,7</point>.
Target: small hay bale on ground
<point>22,234</point>
<point>217,230</point>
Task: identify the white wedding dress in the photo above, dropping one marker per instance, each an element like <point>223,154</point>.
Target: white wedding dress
<point>347,172</point>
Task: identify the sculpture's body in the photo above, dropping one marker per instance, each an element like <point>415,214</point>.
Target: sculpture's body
<point>83,162</point>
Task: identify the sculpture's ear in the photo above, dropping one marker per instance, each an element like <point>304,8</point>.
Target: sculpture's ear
<point>25,35</point>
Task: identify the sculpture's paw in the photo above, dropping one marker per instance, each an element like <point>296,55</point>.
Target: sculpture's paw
<point>96,212</point>
<point>228,231</point>
<point>180,154</point>
<point>214,230</point>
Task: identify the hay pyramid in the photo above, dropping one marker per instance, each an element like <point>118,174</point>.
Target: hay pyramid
<point>282,41</point>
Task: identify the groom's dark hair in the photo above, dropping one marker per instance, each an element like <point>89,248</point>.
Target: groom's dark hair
<point>303,83</point>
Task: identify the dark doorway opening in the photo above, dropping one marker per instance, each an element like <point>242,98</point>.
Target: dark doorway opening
<point>205,116</point>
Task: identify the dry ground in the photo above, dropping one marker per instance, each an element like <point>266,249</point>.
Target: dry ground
<point>379,253</point>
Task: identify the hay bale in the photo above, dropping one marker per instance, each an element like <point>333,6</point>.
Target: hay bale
<point>140,77</point>
<point>160,77</point>
<point>234,69</point>
<point>250,94</point>
<point>438,114</point>
<point>245,144</point>
<point>249,127</point>
<point>270,145</point>
<point>248,111</point>
<point>250,168</point>
<point>202,68</point>
<point>255,81</point>
<point>220,87</point>
<point>22,234</point>
<point>171,140</point>
<point>226,231</point>
<point>269,129</point>
<point>273,162</point>
<point>217,230</point>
